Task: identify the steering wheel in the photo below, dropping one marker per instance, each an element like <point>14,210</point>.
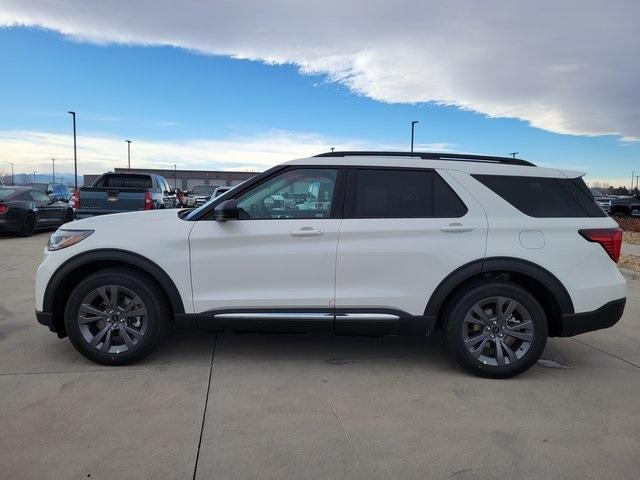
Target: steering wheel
<point>260,210</point>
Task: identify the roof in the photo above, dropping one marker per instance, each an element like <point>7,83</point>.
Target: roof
<point>468,163</point>
<point>431,156</point>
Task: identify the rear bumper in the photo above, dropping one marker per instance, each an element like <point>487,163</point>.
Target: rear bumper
<point>7,225</point>
<point>80,214</point>
<point>604,317</point>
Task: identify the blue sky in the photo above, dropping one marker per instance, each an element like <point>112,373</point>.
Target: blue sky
<point>159,95</point>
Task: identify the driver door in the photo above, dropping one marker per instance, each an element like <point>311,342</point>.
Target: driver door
<point>48,212</point>
<point>275,266</point>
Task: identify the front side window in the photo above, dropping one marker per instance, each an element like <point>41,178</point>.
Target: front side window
<point>387,193</point>
<point>299,193</point>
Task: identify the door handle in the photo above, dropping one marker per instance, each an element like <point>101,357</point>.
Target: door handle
<point>455,228</point>
<point>307,232</point>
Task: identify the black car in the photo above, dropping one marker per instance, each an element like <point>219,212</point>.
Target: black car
<point>24,210</point>
<point>626,206</point>
<point>57,191</point>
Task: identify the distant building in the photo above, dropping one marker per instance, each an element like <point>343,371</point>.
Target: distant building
<point>187,179</point>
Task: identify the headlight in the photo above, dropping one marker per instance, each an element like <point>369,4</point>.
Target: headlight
<point>65,238</point>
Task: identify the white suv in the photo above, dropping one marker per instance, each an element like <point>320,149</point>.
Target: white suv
<point>496,252</point>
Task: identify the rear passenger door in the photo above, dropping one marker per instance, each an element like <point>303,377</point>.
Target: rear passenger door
<point>403,232</point>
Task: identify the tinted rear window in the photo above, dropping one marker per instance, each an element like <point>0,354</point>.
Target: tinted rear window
<point>6,192</point>
<point>125,181</point>
<point>386,193</point>
<point>544,197</point>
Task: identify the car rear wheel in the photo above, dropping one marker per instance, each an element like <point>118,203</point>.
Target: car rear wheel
<point>27,225</point>
<point>116,317</point>
<point>496,329</point>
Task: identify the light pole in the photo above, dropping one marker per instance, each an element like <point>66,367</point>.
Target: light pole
<point>175,176</point>
<point>633,175</point>
<point>128,154</point>
<point>10,163</point>
<point>513,154</point>
<point>75,154</point>
<point>413,124</point>
<point>53,170</point>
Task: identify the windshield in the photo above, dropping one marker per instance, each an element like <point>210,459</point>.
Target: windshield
<point>6,192</point>
<point>203,189</point>
<point>40,186</point>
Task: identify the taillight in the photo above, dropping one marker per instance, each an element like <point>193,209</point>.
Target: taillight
<point>609,238</point>
<point>3,209</point>
<point>147,201</point>
<point>76,199</point>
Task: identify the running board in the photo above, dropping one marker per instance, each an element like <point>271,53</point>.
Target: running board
<point>341,321</point>
<point>306,316</point>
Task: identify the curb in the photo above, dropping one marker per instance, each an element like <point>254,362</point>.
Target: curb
<point>630,274</point>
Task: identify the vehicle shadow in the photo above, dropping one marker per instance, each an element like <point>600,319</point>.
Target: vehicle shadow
<point>40,233</point>
<point>185,341</point>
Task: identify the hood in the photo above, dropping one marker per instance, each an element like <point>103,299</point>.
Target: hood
<point>126,219</point>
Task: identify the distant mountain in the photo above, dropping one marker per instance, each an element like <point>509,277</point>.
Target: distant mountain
<point>25,178</point>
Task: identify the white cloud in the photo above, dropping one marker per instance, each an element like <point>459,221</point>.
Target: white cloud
<point>31,151</point>
<point>566,66</point>
<point>96,153</point>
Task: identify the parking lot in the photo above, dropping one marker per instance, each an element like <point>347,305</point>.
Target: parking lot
<point>307,406</point>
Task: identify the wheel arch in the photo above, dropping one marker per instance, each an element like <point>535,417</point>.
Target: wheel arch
<point>65,277</point>
<point>541,283</point>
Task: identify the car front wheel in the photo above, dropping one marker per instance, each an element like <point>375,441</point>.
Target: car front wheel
<point>116,316</point>
<point>496,329</point>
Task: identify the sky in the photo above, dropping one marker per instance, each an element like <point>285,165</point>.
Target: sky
<point>246,85</point>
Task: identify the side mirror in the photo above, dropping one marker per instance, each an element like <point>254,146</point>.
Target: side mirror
<point>227,210</point>
<point>49,191</point>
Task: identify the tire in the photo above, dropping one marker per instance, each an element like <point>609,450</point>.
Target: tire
<point>120,334</point>
<point>620,214</point>
<point>27,225</point>
<point>495,345</point>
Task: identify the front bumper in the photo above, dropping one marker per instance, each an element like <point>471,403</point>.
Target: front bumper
<point>604,317</point>
<point>46,319</point>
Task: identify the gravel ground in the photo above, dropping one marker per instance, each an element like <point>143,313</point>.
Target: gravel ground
<point>630,262</point>
<point>631,237</point>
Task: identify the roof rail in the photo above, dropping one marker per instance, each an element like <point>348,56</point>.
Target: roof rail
<point>462,157</point>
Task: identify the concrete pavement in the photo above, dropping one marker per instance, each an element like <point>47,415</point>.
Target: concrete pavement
<point>307,406</point>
